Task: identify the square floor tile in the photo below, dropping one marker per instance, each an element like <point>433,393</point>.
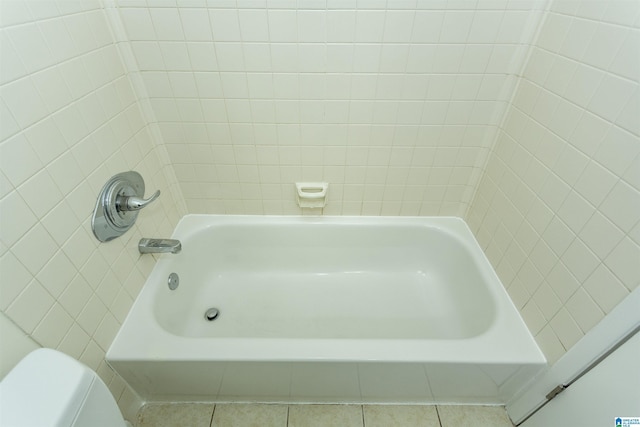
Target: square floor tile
<point>249,415</point>
<point>474,416</point>
<point>325,416</point>
<point>175,415</point>
<point>400,416</point>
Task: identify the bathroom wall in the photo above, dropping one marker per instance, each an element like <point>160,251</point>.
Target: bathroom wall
<point>557,209</point>
<point>394,103</point>
<point>69,120</point>
<point>15,345</point>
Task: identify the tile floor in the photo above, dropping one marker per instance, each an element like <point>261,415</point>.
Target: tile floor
<point>276,415</point>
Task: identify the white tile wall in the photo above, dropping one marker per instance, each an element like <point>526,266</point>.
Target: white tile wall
<point>395,104</point>
<point>70,119</point>
<point>558,208</point>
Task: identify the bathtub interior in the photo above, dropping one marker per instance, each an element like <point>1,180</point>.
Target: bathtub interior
<point>318,280</point>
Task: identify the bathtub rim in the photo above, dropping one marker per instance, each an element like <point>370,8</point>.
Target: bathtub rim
<point>522,349</point>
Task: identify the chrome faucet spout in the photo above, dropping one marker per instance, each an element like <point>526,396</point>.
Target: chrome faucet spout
<point>159,246</point>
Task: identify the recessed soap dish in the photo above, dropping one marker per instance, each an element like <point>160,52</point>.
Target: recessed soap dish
<point>311,194</point>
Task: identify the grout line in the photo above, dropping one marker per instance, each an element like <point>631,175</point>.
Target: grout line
<point>438,414</point>
<point>287,422</point>
<point>212,413</point>
<point>573,15</point>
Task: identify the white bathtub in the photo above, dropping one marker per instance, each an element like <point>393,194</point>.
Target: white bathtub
<point>325,309</point>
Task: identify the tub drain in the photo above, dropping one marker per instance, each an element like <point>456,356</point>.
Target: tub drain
<point>211,314</point>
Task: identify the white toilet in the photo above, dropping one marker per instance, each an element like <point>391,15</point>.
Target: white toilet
<point>50,389</point>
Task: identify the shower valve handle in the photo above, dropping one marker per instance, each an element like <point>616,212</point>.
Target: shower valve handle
<point>134,203</point>
<point>118,204</point>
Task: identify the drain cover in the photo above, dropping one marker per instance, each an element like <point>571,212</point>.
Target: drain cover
<point>211,314</point>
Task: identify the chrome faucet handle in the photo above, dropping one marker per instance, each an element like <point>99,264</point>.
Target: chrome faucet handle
<point>134,203</point>
<point>118,205</point>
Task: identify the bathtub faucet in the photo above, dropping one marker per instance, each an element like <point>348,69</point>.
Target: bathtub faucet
<point>159,246</point>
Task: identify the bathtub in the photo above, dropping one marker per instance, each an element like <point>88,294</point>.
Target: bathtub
<point>325,309</point>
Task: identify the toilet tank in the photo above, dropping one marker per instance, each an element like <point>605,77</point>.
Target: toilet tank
<point>50,389</point>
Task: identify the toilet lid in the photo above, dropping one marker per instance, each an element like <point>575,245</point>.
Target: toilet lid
<point>45,389</point>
